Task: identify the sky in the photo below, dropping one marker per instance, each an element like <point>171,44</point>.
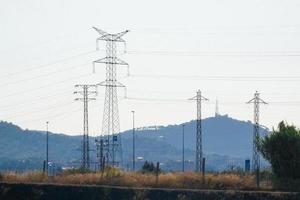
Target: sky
<point>227,49</point>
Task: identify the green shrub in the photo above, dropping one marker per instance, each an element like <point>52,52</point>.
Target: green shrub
<point>149,167</point>
<point>282,150</point>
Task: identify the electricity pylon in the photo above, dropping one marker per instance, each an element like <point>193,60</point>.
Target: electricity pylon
<point>110,125</point>
<point>199,147</point>
<point>255,155</point>
<point>85,92</point>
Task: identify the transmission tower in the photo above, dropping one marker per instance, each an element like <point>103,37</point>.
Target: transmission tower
<point>84,91</point>
<point>199,150</point>
<point>111,139</point>
<point>255,156</point>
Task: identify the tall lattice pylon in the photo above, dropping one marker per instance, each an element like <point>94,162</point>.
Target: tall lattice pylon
<point>112,145</point>
<point>255,155</point>
<point>85,92</point>
<point>199,148</point>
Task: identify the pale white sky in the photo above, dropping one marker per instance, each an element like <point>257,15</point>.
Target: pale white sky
<point>228,49</point>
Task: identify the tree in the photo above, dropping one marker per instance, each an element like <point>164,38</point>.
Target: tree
<point>148,167</point>
<point>282,149</point>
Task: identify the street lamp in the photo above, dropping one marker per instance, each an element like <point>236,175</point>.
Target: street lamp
<point>133,142</point>
<point>47,147</point>
<point>183,148</point>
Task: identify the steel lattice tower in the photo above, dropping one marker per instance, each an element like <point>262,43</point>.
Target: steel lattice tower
<point>199,150</point>
<point>112,146</point>
<point>85,92</point>
<point>255,157</point>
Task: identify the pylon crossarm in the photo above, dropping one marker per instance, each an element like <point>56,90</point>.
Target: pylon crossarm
<point>78,92</point>
<point>251,101</point>
<point>108,60</point>
<point>101,32</point>
<point>262,101</point>
<point>111,84</point>
<point>77,99</point>
<point>119,35</point>
<point>202,98</point>
<point>193,98</point>
<point>92,92</point>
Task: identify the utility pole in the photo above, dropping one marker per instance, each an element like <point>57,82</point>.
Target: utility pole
<point>199,148</point>
<point>47,147</point>
<point>255,157</point>
<point>133,142</point>
<point>183,147</point>
<point>110,123</point>
<point>84,91</point>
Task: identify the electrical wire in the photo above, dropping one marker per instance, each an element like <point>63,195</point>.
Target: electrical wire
<point>45,75</point>
<point>33,101</point>
<point>45,86</point>
<point>53,107</point>
<point>48,64</point>
<point>187,100</point>
<point>220,77</point>
<point>58,115</point>
<point>221,54</point>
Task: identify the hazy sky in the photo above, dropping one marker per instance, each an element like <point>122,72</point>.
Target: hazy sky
<point>228,49</point>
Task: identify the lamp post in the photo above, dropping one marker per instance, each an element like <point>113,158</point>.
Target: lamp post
<point>47,147</point>
<point>133,142</point>
<point>183,147</point>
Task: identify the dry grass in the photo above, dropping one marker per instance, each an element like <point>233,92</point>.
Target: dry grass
<point>118,178</point>
<point>25,177</point>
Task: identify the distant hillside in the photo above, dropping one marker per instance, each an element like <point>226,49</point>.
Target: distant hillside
<point>221,135</point>
<point>226,141</point>
<point>17,144</point>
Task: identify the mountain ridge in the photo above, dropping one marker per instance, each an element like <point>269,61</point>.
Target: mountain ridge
<point>225,140</point>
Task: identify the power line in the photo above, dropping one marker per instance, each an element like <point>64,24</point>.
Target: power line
<point>47,65</point>
<point>41,110</point>
<point>221,78</point>
<point>45,86</point>
<point>45,75</point>
<point>33,101</point>
<point>212,103</point>
<point>50,116</point>
<point>213,54</point>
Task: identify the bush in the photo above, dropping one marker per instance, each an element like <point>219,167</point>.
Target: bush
<point>282,150</point>
<point>149,167</point>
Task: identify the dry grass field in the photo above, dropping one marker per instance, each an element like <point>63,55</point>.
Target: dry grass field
<point>115,177</point>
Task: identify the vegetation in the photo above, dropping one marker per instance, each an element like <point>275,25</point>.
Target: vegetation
<point>149,167</point>
<point>282,150</point>
<point>24,152</point>
<point>116,177</point>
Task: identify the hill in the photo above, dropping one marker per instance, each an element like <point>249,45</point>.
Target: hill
<point>226,142</point>
<point>221,135</point>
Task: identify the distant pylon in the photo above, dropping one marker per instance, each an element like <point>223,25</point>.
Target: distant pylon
<point>199,147</point>
<point>255,156</point>
<point>85,92</point>
<point>112,145</point>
